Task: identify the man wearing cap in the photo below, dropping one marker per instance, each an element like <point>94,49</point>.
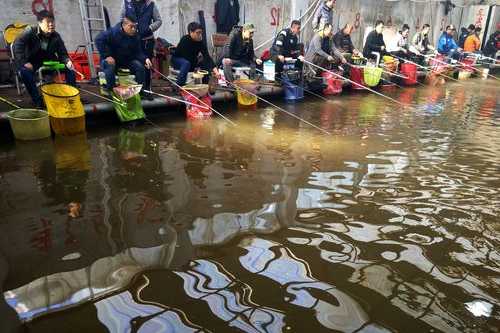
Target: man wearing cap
<point>238,52</point>
<point>447,45</point>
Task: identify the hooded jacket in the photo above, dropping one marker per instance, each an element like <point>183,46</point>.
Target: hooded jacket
<point>145,13</point>
<point>115,43</point>
<point>239,49</point>
<point>34,47</point>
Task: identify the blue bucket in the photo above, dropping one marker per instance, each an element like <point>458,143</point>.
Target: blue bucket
<point>293,92</point>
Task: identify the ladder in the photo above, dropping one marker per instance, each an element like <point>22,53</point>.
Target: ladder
<point>92,12</point>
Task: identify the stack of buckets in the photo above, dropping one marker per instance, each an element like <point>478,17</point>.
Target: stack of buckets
<point>65,108</point>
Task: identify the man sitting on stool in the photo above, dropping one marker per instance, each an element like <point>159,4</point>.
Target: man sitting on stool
<point>238,52</point>
<point>120,47</point>
<point>36,45</point>
<point>192,53</point>
<point>322,52</point>
<point>286,45</point>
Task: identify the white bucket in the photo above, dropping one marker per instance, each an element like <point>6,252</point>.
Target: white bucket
<point>485,73</point>
<point>269,70</point>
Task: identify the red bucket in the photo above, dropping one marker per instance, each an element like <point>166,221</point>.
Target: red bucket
<point>410,71</point>
<point>333,84</point>
<point>199,108</point>
<point>357,76</point>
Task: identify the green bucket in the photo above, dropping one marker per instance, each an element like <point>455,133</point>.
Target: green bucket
<point>372,75</point>
<point>29,124</point>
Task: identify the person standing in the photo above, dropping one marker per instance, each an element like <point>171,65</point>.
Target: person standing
<point>148,18</point>
<point>323,15</point>
<point>192,53</point>
<point>38,44</point>
<point>227,15</point>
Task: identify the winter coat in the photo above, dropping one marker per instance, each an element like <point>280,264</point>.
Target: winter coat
<point>145,13</point>
<point>286,44</point>
<point>374,43</point>
<point>343,42</point>
<point>123,48</point>
<point>239,49</point>
<point>493,44</point>
<point>472,43</point>
<point>446,44</point>
<point>464,33</point>
<point>34,47</point>
<point>227,15</point>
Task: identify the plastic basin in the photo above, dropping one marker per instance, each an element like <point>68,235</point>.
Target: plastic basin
<point>29,124</point>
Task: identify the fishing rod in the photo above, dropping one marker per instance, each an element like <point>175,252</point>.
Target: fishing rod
<point>306,90</point>
<point>197,98</point>
<point>355,83</point>
<point>473,68</point>
<point>464,65</point>
<point>277,107</point>
<point>427,69</point>
<point>6,101</point>
<point>176,99</point>
<point>122,103</point>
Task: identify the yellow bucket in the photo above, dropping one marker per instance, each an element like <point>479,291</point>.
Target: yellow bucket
<point>244,98</point>
<point>388,59</point>
<point>65,108</point>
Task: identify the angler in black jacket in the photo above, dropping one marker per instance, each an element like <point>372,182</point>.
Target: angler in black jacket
<point>342,41</point>
<point>192,53</point>
<point>238,52</point>
<point>38,44</point>
<point>286,45</point>
<point>375,42</point>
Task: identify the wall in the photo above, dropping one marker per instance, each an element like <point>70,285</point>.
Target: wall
<point>268,15</point>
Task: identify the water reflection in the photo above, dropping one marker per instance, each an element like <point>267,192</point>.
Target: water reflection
<point>391,224</point>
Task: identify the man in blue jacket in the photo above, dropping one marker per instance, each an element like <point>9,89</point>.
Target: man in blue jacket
<point>148,18</point>
<point>120,47</point>
<point>447,45</point>
<point>323,15</point>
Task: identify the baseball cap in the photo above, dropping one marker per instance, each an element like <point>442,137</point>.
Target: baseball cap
<point>249,27</point>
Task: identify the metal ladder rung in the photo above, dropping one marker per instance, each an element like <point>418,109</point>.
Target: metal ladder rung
<point>94,19</point>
